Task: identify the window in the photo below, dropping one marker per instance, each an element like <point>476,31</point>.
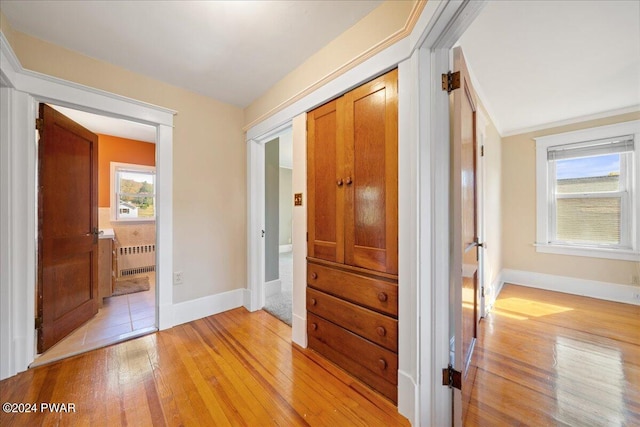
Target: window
<point>585,195</point>
<point>133,192</point>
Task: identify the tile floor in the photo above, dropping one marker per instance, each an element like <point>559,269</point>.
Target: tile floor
<point>121,318</point>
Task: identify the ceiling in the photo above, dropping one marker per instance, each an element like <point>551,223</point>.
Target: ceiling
<point>542,62</point>
<point>232,51</point>
<point>534,63</point>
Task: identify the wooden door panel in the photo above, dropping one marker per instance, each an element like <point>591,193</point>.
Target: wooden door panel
<point>68,221</point>
<point>465,230</point>
<point>326,201</point>
<point>371,175</point>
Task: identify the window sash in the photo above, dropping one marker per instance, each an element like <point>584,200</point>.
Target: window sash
<point>621,144</point>
<point>118,172</point>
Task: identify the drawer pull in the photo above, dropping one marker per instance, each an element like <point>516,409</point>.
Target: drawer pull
<point>314,275</point>
<point>313,301</point>
<point>314,326</point>
<point>381,331</point>
<point>339,182</point>
<point>382,296</point>
<point>382,364</point>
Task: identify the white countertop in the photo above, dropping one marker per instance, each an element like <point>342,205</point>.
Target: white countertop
<point>107,233</point>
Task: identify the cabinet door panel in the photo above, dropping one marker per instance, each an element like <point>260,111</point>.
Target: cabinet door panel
<point>325,157</point>
<point>371,175</point>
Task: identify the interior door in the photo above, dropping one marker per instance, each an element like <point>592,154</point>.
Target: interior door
<point>465,236</point>
<point>67,226</point>
<point>325,154</point>
<point>371,175</point>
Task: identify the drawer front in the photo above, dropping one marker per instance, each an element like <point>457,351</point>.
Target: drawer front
<point>370,363</point>
<point>376,327</point>
<point>378,295</point>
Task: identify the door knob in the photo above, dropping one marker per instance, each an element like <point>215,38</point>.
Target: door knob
<point>348,181</point>
<point>339,182</point>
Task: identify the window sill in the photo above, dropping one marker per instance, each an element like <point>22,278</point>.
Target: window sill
<point>617,254</point>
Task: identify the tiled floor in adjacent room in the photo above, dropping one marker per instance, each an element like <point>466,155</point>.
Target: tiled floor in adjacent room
<point>121,318</point>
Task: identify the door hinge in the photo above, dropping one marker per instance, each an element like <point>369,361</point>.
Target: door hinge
<point>39,322</point>
<point>451,81</point>
<point>482,292</point>
<point>482,151</point>
<point>307,236</point>
<point>452,378</point>
<point>39,124</point>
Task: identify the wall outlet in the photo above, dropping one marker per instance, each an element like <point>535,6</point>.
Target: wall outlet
<point>178,278</point>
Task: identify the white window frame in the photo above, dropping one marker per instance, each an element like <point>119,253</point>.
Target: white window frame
<point>629,248</point>
<point>129,167</point>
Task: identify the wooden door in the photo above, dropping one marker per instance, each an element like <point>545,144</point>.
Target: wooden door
<point>67,226</point>
<point>371,175</point>
<point>465,260</point>
<point>325,183</point>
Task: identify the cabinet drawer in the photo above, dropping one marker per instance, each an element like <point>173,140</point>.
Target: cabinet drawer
<point>376,327</point>
<point>372,364</point>
<point>378,295</point>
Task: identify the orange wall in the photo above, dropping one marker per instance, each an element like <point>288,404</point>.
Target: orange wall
<point>115,149</point>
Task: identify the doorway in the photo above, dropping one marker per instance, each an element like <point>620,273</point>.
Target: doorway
<point>124,292</point>
<point>278,280</point>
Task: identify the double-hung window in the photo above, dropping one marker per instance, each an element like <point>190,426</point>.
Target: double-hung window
<point>133,192</point>
<point>587,192</point>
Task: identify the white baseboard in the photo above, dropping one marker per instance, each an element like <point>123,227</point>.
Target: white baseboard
<point>273,287</point>
<point>408,398</point>
<point>571,285</point>
<point>189,311</point>
<point>285,248</point>
<point>299,330</point>
<point>492,292</point>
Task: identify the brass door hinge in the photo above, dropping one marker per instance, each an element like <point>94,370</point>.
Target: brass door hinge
<point>39,124</point>
<point>39,322</point>
<point>452,378</point>
<point>451,81</point>
<point>482,151</point>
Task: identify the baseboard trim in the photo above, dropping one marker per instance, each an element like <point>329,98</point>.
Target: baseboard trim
<point>189,311</point>
<point>408,397</point>
<point>570,285</point>
<point>299,330</point>
<point>273,287</point>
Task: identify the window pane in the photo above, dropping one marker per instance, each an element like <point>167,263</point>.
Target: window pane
<point>588,174</point>
<point>137,183</point>
<point>588,220</point>
<point>136,207</point>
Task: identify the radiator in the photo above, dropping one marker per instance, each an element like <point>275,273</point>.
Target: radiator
<point>136,259</point>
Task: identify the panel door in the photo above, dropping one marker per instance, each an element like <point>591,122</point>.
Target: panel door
<point>371,175</point>
<point>325,186</point>
<point>464,224</point>
<point>67,231</point>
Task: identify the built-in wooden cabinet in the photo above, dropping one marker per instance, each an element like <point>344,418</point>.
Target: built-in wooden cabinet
<point>352,184</point>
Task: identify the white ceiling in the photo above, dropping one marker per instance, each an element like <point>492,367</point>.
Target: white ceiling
<point>534,62</point>
<point>232,51</point>
<point>541,62</point>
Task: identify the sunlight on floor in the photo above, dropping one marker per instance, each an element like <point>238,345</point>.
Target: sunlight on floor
<point>522,309</point>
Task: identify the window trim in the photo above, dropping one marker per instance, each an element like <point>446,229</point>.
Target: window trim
<point>545,200</point>
<point>115,167</point>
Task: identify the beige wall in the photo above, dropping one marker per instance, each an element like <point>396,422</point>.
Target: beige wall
<point>492,195</point>
<point>519,214</point>
<point>209,199</point>
<point>377,27</point>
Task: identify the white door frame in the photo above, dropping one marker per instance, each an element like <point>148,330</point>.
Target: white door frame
<point>423,204</point>
<point>22,90</point>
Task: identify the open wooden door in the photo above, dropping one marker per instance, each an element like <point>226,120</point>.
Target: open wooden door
<point>67,226</point>
<point>465,237</point>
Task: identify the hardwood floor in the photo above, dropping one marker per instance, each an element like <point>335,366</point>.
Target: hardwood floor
<point>236,368</point>
<point>551,359</point>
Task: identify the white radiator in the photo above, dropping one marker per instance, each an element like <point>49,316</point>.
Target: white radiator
<point>136,259</point>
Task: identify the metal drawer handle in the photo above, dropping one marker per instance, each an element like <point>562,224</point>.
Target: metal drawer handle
<point>348,181</point>
<point>339,182</point>
<point>382,296</point>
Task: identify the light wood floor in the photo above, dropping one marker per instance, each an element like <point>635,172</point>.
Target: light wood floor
<point>236,368</point>
<point>551,359</point>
